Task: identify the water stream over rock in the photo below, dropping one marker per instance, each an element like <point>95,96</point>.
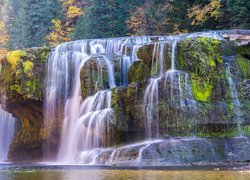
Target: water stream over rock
<point>85,121</point>
<point>83,77</point>
<point>234,95</point>
<point>7,132</point>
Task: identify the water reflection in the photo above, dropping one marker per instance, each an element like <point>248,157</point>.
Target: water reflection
<point>120,175</point>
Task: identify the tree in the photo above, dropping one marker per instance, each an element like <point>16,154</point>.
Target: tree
<point>104,18</point>
<point>206,16</point>
<point>237,13</point>
<point>30,22</point>
<point>62,29</point>
<point>137,22</point>
<point>4,38</point>
<point>59,33</point>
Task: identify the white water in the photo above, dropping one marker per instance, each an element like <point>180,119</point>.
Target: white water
<point>177,89</point>
<point>7,131</point>
<point>147,153</point>
<point>151,99</point>
<point>66,57</point>
<point>173,55</point>
<point>86,122</point>
<point>235,98</point>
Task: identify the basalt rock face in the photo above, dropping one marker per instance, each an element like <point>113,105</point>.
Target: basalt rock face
<point>201,72</point>
<point>22,86</point>
<point>178,152</point>
<point>94,77</point>
<point>205,60</point>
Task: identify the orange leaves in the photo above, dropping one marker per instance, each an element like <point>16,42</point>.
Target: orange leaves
<point>137,23</point>
<point>200,15</point>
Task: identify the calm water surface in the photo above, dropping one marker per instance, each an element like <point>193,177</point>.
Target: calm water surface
<point>107,174</point>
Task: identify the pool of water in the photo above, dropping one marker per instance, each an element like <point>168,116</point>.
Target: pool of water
<point>20,172</point>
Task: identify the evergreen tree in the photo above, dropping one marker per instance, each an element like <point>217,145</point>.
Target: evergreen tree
<point>104,18</point>
<point>30,25</point>
<point>238,13</point>
<point>15,13</point>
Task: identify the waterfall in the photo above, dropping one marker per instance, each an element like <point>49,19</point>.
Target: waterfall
<point>234,97</point>
<point>7,131</point>
<point>173,55</point>
<point>86,116</point>
<point>152,109</point>
<point>177,90</point>
<point>85,120</point>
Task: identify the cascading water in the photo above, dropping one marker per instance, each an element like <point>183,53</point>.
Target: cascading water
<point>234,96</point>
<point>87,129</point>
<point>87,116</point>
<point>173,55</point>
<point>85,120</point>
<point>7,131</point>
<point>176,89</point>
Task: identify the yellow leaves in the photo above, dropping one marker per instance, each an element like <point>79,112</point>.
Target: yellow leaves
<point>200,15</point>
<point>14,57</point>
<point>28,68</point>
<point>56,23</point>
<point>59,33</point>
<point>68,2</point>
<point>74,11</point>
<point>61,30</point>
<point>72,8</point>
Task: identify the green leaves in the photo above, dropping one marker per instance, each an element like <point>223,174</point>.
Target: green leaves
<point>30,23</point>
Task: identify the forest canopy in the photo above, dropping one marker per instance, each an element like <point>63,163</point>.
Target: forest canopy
<point>33,23</point>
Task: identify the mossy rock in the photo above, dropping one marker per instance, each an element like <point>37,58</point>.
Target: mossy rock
<point>14,57</point>
<point>202,57</point>
<point>244,66</point>
<point>243,50</point>
<point>141,69</point>
<point>94,76</point>
<point>24,73</point>
<point>138,71</point>
<point>202,88</point>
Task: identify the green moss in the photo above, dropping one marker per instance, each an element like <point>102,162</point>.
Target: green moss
<point>201,55</point>
<point>244,66</point>
<point>212,63</point>
<point>16,88</point>
<point>246,130</point>
<point>138,71</point>
<point>28,68</point>
<point>243,50</point>
<point>230,132</point>
<point>26,72</point>
<point>247,104</point>
<point>202,88</point>
<point>28,83</point>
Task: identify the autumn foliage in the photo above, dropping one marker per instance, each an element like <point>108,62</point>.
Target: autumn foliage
<point>4,38</point>
<point>62,29</point>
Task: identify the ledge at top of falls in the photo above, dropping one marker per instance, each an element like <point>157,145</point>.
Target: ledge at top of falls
<point>237,34</point>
